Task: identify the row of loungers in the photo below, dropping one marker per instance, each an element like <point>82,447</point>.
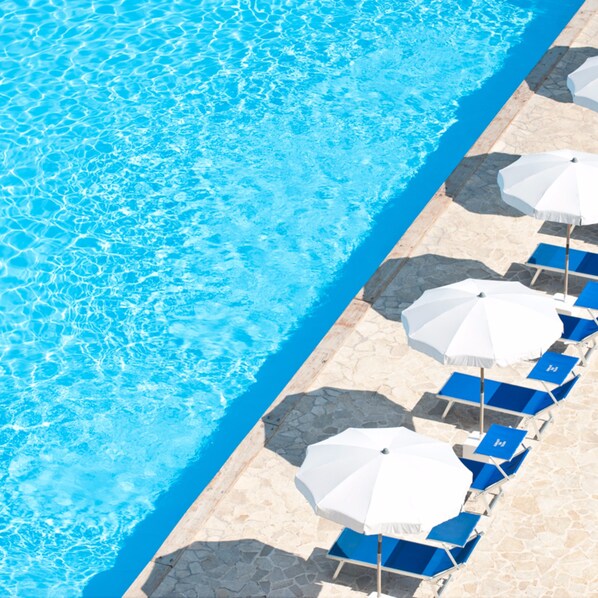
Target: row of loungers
<point>449,545</point>
<point>446,548</point>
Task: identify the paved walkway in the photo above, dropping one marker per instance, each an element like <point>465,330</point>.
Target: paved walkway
<point>262,539</point>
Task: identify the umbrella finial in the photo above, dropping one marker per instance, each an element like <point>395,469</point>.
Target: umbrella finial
<point>574,160</point>
<point>482,295</point>
<point>385,451</point>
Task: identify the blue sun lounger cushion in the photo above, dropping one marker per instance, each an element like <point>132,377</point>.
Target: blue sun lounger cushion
<point>521,401</point>
<point>489,478</point>
<point>412,559</point>
<point>581,333</point>
<point>552,258</point>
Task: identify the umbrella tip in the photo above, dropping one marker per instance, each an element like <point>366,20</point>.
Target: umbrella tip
<point>482,295</point>
<point>574,160</point>
<point>385,451</point>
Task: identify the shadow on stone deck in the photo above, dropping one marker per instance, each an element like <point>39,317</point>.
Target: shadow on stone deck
<point>463,417</point>
<point>252,569</point>
<point>585,234</point>
<point>420,273</point>
<point>310,417</point>
<point>554,86</point>
<point>481,194</point>
<point>548,282</point>
<point>243,567</point>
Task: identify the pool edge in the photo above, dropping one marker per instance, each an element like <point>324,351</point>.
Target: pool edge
<point>165,558</point>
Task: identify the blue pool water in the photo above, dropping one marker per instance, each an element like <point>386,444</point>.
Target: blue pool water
<point>190,192</point>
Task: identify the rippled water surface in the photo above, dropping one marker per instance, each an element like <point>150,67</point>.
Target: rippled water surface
<point>180,181</point>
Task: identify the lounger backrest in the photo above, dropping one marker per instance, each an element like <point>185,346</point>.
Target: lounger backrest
<point>487,475</point>
<point>512,467</point>
<point>455,531</point>
<point>461,555</point>
<point>577,329</point>
<point>411,558</point>
<point>563,390</point>
<point>439,562</point>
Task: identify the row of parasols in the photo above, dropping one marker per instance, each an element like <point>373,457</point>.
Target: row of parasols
<point>396,482</point>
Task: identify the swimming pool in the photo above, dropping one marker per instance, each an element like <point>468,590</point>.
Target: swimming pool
<point>191,192</point>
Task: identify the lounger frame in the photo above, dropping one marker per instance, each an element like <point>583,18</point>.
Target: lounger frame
<point>437,582</point>
<point>558,269</point>
<point>533,419</point>
<point>540,269</point>
<point>492,494</point>
<point>585,347</point>
<point>539,420</point>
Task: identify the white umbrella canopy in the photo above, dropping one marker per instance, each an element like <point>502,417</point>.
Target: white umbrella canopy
<point>383,481</point>
<point>388,481</point>
<point>558,186</point>
<point>583,84</point>
<point>482,323</point>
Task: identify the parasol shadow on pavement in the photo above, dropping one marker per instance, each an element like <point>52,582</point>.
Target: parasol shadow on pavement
<point>463,417</point>
<point>327,411</point>
<point>548,282</point>
<point>250,568</point>
<point>554,86</point>
<point>586,234</point>
<point>241,567</point>
<point>421,273</point>
<point>474,186</point>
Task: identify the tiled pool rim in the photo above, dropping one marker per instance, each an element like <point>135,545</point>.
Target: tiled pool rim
<point>201,509</point>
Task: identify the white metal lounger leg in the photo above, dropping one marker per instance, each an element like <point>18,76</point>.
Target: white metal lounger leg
<point>338,569</point>
<point>582,355</point>
<point>535,277</point>
<point>589,353</point>
<point>493,501</point>
<point>447,409</point>
<point>537,430</point>
<point>439,589</point>
<point>489,503</point>
<point>544,425</point>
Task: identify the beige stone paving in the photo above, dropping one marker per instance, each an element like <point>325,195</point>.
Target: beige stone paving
<point>541,541</point>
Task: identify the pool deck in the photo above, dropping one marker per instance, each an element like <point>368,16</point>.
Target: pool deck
<point>251,533</point>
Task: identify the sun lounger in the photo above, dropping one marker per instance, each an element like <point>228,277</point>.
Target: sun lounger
<point>428,562</point>
<point>488,478</point>
<point>582,333</point>
<point>552,258</point>
<point>521,401</point>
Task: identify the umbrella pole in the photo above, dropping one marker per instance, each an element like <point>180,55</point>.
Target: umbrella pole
<point>379,567</point>
<point>567,260</point>
<point>481,401</point>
